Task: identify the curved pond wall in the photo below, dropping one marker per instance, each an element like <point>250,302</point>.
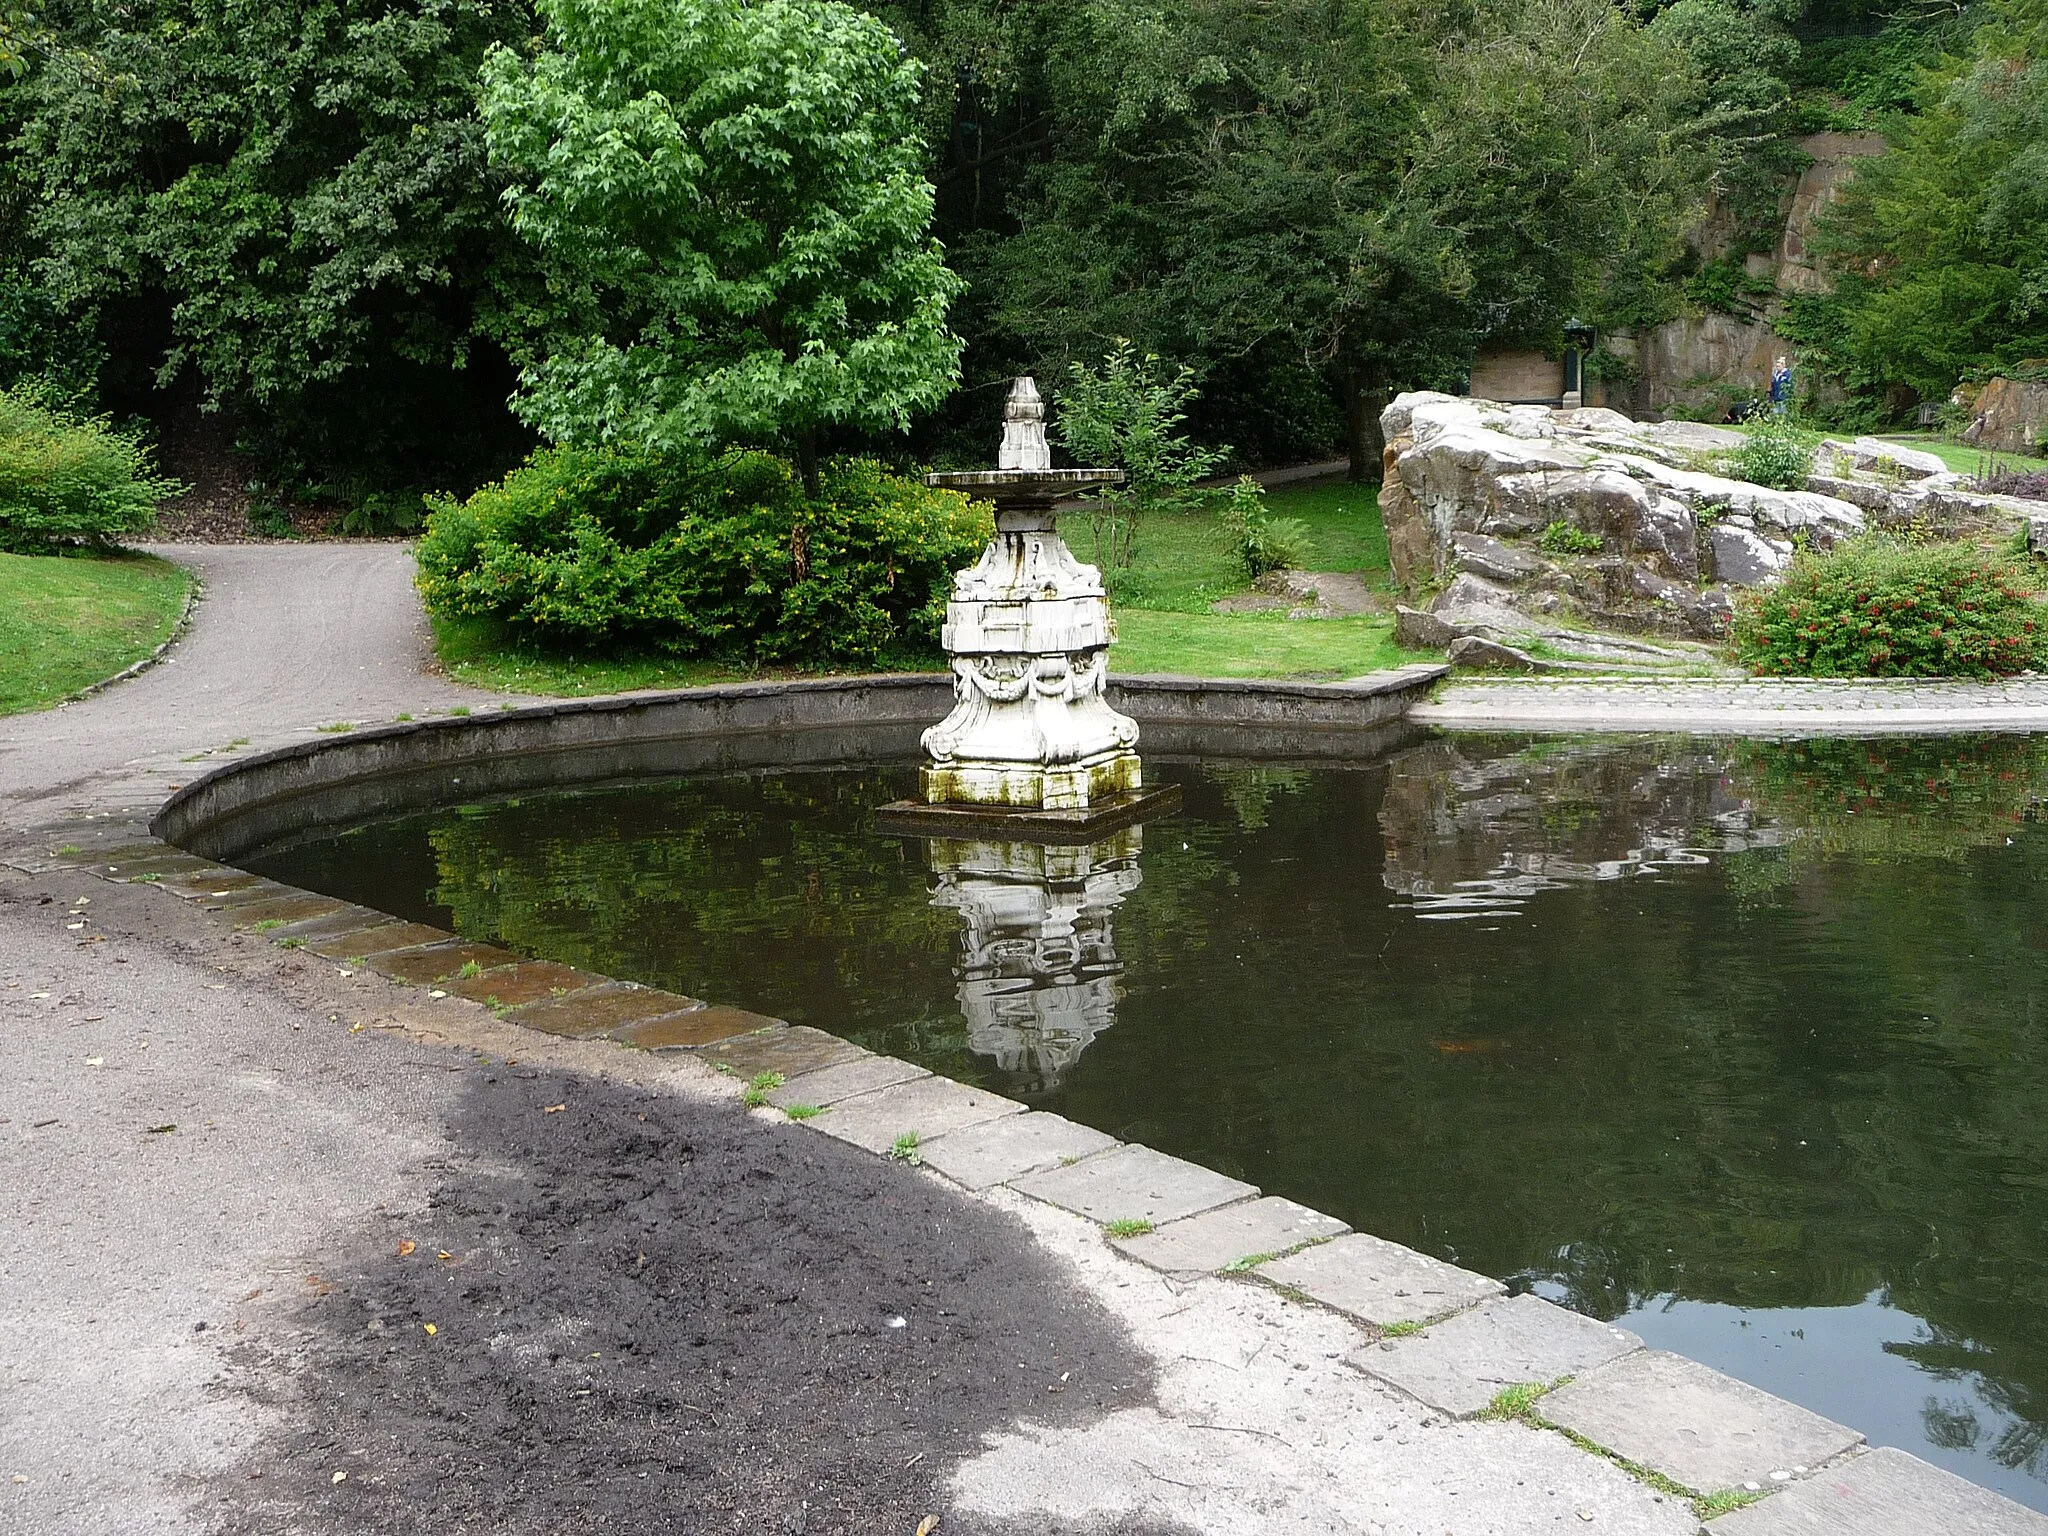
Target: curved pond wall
<point>385,770</point>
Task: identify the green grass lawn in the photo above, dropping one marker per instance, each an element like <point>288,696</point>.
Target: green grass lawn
<point>66,623</point>
<point>1184,563</point>
<point>1964,459</point>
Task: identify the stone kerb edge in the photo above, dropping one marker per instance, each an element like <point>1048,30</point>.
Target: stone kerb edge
<point>878,701</point>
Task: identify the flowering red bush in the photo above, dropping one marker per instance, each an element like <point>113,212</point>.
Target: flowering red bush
<point>1879,608</point>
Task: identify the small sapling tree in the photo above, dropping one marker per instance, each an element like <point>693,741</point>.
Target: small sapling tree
<point>731,205</point>
<point>1127,415</point>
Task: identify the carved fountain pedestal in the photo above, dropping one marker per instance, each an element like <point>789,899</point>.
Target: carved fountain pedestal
<point>1032,747</point>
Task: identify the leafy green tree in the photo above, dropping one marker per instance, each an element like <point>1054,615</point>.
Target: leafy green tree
<point>1364,192</point>
<point>731,204</point>
<point>292,202</point>
<point>1940,248</point>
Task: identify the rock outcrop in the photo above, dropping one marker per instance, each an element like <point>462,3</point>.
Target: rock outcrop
<point>1530,515</point>
<point>2009,416</point>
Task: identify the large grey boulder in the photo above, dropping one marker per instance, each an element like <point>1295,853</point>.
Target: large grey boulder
<point>1472,485</point>
<point>1888,461</point>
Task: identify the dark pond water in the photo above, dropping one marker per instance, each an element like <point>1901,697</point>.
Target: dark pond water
<point>1742,1045</point>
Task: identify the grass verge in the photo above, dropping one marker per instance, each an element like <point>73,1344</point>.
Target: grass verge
<point>67,622</point>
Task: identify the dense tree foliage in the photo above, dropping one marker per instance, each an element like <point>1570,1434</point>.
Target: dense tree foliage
<point>1940,249</point>
<point>288,208</point>
<point>718,231</point>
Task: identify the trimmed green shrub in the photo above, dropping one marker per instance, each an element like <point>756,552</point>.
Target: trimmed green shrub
<point>582,548</point>
<point>1875,607</point>
<point>69,479</point>
<point>1774,455</point>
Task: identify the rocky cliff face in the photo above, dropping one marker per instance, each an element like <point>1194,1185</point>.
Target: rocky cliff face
<point>1525,514</point>
<point>2009,416</point>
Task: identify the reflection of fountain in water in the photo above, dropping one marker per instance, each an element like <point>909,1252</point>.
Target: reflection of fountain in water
<point>1038,970</point>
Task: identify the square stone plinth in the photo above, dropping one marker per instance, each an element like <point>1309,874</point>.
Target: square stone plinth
<point>437,962</point>
<point>1886,1493</point>
<point>1380,1282</point>
<point>864,1074</point>
<point>1218,1239</point>
<point>698,1026</point>
<point>791,1049</point>
<point>1134,1184</point>
<point>527,981</point>
<point>997,1151</point>
<point>1458,1365</point>
<point>599,1010</point>
<point>922,1107</point>
<point>1696,1426</point>
<point>361,943</point>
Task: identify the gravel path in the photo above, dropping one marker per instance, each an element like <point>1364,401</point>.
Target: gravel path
<point>1749,707</point>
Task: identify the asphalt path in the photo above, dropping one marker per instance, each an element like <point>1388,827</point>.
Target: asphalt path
<point>288,637</point>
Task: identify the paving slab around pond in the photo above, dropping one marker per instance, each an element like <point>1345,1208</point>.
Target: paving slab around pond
<point>862,1074</point>
<point>1460,1365</point>
<point>1134,1183</point>
<point>1379,1282</point>
<point>997,1151</point>
<point>1886,1493</point>
<point>788,1049</point>
<point>1698,1427</point>
<point>600,1010</point>
<point>920,1107</point>
<point>1231,1235</point>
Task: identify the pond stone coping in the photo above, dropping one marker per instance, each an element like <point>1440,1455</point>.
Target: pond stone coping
<point>1654,1412</point>
<point>1779,707</point>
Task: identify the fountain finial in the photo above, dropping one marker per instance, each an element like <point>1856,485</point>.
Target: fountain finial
<point>1024,445</point>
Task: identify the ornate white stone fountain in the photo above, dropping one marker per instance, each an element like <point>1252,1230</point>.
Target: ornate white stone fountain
<point>1028,633</point>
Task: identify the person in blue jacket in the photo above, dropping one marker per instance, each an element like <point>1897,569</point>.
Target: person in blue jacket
<point>1781,386</point>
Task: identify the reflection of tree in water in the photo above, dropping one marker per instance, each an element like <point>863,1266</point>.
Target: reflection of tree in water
<point>1250,790</point>
<point>1810,1072</point>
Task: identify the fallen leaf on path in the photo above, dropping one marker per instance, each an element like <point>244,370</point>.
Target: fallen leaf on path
<point>554,1109</point>
<point>431,1329</point>
<point>444,1254</point>
<point>407,1247</point>
<point>927,1525</point>
<point>159,1130</point>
